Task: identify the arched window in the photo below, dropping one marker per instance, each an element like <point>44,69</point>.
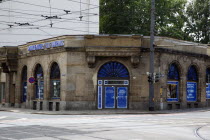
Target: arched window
<point>192,78</point>
<point>39,86</point>
<point>55,81</point>
<point>113,69</point>
<point>24,84</point>
<point>208,83</point>
<point>173,83</point>
<point>192,74</point>
<point>208,75</point>
<point>173,72</point>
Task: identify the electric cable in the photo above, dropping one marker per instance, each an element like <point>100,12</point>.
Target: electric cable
<point>29,10</point>
<point>18,16</point>
<point>83,3</point>
<point>27,34</point>
<point>49,24</point>
<point>34,4</point>
<point>50,13</point>
<point>51,7</point>
<point>42,26</point>
<point>47,6</point>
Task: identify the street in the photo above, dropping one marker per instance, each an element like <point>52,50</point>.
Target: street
<point>174,126</point>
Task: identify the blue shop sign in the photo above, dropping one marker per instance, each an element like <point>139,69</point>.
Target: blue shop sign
<point>58,43</point>
<point>207,90</point>
<point>191,91</point>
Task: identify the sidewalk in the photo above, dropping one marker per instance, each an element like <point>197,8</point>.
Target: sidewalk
<point>100,112</point>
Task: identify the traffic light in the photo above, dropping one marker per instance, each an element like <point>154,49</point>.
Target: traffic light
<point>150,79</point>
<point>156,77</point>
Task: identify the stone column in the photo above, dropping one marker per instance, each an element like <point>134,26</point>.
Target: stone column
<point>30,90</point>
<point>18,90</point>
<point>182,94</point>
<point>9,90</point>
<point>202,89</point>
<point>46,90</point>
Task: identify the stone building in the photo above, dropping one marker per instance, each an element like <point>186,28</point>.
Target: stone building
<point>104,72</point>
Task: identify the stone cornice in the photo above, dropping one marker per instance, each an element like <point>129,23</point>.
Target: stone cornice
<point>110,53</point>
<point>170,51</point>
<point>93,53</point>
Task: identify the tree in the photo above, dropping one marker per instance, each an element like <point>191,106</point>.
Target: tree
<point>115,16</point>
<point>198,24</point>
<point>133,17</point>
<point>170,19</point>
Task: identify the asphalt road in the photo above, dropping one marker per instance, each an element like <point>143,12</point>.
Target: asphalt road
<point>175,126</point>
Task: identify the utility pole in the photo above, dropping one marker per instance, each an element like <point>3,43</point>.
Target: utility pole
<point>152,49</point>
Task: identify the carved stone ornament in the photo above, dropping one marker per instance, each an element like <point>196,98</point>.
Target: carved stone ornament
<point>91,61</point>
<point>135,61</point>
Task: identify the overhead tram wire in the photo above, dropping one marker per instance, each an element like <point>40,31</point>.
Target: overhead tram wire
<point>96,6</point>
<point>45,32</point>
<point>17,16</point>
<point>28,34</point>
<point>11,42</point>
<point>48,24</point>
<point>82,2</point>
<point>37,15</point>
<point>51,24</point>
<point>68,29</point>
<point>29,10</point>
<point>72,12</point>
<point>34,4</point>
<point>21,13</point>
<point>47,6</point>
<point>45,19</point>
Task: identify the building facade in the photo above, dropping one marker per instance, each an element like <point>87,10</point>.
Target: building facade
<point>104,72</point>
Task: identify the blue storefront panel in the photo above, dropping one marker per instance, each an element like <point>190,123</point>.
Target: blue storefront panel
<point>99,97</point>
<point>122,93</point>
<point>109,97</point>
<point>24,92</point>
<point>191,91</point>
<point>207,90</point>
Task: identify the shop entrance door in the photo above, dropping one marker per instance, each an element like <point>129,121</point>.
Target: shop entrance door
<point>113,86</point>
<point>113,94</point>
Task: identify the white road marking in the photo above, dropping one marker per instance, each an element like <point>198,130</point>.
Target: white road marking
<point>22,119</point>
<point>3,117</point>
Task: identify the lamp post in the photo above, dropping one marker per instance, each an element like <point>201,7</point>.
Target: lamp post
<point>152,49</point>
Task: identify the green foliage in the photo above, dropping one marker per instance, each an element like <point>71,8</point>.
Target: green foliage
<point>198,23</point>
<point>133,17</point>
<point>115,16</point>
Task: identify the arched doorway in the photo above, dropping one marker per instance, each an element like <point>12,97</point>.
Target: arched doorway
<point>39,85</point>
<point>192,81</point>
<point>24,84</point>
<point>113,84</point>
<point>173,83</point>
<point>55,81</point>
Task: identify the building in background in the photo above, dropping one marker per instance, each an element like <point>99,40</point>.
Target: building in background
<point>24,21</point>
<point>104,72</point>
